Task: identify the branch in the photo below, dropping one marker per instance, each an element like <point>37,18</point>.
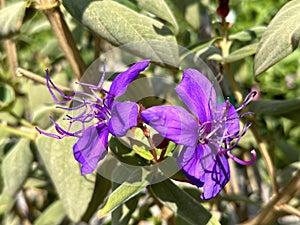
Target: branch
<point>63,34</point>
<point>266,156</point>
<point>270,213</point>
<point>37,78</point>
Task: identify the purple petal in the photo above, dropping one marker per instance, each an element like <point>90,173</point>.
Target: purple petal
<point>189,162</point>
<point>216,177</point>
<point>197,92</point>
<point>120,83</point>
<point>172,122</point>
<point>193,162</point>
<point>233,121</point>
<point>91,147</point>
<point>124,115</point>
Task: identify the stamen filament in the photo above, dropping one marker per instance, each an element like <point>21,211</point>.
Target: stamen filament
<point>242,162</point>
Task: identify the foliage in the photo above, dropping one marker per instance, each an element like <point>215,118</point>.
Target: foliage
<point>256,49</point>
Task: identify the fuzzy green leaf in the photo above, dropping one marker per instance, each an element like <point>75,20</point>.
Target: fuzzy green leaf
<point>75,191</point>
<point>160,9</point>
<point>249,34</point>
<point>275,107</point>
<point>53,215</point>
<point>132,185</point>
<point>182,204</point>
<point>241,53</point>
<point>280,39</point>
<point>16,166</point>
<point>120,26</point>
<point>11,19</point>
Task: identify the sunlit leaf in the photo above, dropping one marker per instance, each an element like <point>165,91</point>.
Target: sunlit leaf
<point>122,214</point>
<point>182,204</point>
<point>241,53</point>
<point>16,166</point>
<point>249,34</point>
<point>74,190</point>
<point>143,152</point>
<point>125,154</point>
<point>160,9</point>
<point>132,185</point>
<point>120,26</point>
<point>280,39</point>
<point>102,188</point>
<point>6,203</point>
<point>11,19</point>
<point>53,215</point>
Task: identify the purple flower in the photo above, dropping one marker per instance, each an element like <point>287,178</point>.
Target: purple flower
<point>208,135</point>
<point>110,116</point>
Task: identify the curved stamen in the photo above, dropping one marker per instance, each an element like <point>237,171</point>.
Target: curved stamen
<point>247,100</point>
<point>72,108</point>
<point>49,82</point>
<point>91,86</point>
<point>84,94</point>
<point>49,134</point>
<point>242,162</point>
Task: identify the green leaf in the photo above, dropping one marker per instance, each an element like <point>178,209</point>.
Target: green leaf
<point>280,39</point>
<point>102,187</point>
<point>284,176</point>
<point>6,203</point>
<point>7,95</point>
<point>53,215</point>
<point>123,213</point>
<point>120,26</point>
<point>275,107</point>
<point>241,53</point>
<point>142,151</point>
<point>182,203</point>
<point>64,170</point>
<point>11,19</point>
<point>291,153</point>
<point>249,34</point>
<point>200,48</point>
<point>125,154</point>
<point>134,183</point>
<point>16,166</point>
<point>160,9</point>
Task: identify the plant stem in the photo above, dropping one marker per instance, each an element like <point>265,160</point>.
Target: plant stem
<point>97,47</point>
<point>22,121</point>
<point>150,141</point>
<point>11,52</point>
<point>63,34</point>
<point>225,46</point>
<point>266,156</point>
<point>37,78</point>
<point>18,131</point>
